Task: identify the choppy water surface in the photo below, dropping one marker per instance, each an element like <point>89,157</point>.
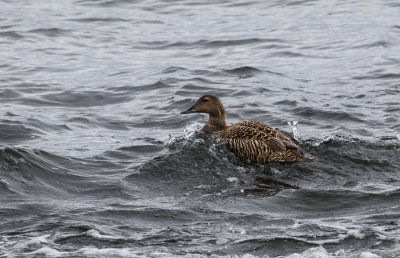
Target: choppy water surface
<point>96,161</point>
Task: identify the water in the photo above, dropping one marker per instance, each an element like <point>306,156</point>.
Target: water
<point>96,161</point>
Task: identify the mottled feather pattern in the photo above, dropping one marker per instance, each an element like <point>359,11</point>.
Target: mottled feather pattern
<point>252,149</point>
<point>260,152</point>
<point>263,128</point>
<point>260,143</point>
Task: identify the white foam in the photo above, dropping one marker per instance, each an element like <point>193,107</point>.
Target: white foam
<point>96,234</point>
<point>88,252</point>
<point>369,255</point>
<point>296,133</point>
<point>357,233</point>
<point>48,252</point>
<point>397,134</point>
<point>252,256</point>
<point>275,171</point>
<point>107,252</point>
<point>232,179</point>
<point>241,169</point>
<point>376,188</point>
<point>33,241</point>
<point>334,137</point>
<point>315,252</point>
<point>4,182</point>
<point>320,252</point>
<point>189,132</point>
<point>191,129</point>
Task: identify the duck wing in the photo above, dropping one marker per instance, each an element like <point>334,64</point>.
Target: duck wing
<point>261,151</point>
<point>273,134</point>
<point>260,143</point>
<point>240,132</point>
<point>254,150</point>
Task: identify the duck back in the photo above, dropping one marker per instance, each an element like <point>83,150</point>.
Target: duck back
<point>260,143</point>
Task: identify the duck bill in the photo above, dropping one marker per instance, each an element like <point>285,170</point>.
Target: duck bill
<point>188,111</point>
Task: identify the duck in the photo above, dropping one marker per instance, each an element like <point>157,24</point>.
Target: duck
<point>253,140</point>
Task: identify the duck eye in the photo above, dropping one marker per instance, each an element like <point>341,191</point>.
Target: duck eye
<point>205,100</point>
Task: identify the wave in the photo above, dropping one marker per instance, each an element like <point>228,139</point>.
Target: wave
<point>34,173</point>
<point>11,34</point>
<point>31,173</point>
<point>291,54</point>
<point>74,99</point>
<point>93,251</point>
<point>50,32</point>
<point>105,3</point>
<point>210,199</point>
<point>15,131</point>
<point>100,20</point>
<point>379,43</point>
<point>206,44</point>
<point>200,164</point>
<point>244,71</point>
<point>379,76</point>
<point>316,113</point>
<point>147,87</point>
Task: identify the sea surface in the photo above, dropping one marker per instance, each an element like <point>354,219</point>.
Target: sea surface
<point>96,160</point>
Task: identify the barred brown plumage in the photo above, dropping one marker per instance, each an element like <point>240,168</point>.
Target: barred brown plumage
<point>250,139</point>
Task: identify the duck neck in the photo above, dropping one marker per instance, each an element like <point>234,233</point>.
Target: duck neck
<point>215,123</point>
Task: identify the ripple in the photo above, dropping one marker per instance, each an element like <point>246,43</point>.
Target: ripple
<point>30,172</point>
<point>105,3</point>
<point>273,247</point>
<point>77,99</point>
<point>245,70</point>
<point>379,43</point>
<point>206,44</point>
<point>14,131</point>
<point>384,76</point>
<point>147,87</point>
<point>11,34</point>
<point>291,54</point>
<point>310,112</point>
<point>100,20</point>
<point>50,32</point>
<point>9,94</point>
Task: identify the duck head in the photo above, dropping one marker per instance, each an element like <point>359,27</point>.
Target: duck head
<point>207,104</point>
<point>211,105</point>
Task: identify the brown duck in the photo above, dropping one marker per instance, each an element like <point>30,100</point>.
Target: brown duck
<point>253,140</point>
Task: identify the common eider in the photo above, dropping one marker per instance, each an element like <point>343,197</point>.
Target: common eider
<point>250,139</point>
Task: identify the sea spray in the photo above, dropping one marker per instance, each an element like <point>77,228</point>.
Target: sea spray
<point>295,131</point>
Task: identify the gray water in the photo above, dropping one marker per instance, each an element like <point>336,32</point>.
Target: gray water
<point>96,161</point>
